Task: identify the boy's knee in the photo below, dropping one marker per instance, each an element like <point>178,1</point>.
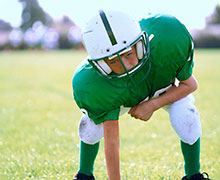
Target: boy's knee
<point>89,132</point>
<point>185,120</point>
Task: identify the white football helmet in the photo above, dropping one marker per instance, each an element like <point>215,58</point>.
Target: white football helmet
<point>111,34</point>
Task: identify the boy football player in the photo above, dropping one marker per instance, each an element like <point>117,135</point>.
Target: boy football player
<point>136,67</point>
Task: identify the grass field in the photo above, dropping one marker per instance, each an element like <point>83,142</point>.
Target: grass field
<point>39,119</point>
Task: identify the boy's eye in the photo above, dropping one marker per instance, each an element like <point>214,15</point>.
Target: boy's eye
<point>129,54</point>
<point>113,61</point>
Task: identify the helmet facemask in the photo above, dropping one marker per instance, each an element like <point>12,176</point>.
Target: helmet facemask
<point>142,49</point>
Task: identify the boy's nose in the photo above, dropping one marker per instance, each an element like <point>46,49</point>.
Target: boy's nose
<point>128,64</point>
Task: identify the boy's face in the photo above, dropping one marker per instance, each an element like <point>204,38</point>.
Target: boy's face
<point>128,58</point>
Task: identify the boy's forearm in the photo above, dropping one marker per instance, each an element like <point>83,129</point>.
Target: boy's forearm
<point>111,136</point>
<point>175,93</point>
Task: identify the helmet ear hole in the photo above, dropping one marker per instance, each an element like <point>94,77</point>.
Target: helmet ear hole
<point>140,50</point>
<point>103,67</point>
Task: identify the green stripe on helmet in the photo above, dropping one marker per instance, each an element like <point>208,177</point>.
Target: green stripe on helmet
<point>107,27</point>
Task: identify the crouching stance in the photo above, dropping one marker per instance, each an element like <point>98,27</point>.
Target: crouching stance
<point>133,66</point>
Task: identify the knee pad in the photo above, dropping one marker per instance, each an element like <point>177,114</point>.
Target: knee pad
<point>185,120</point>
<point>89,132</point>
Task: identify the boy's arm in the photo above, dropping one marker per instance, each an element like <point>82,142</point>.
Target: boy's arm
<point>111,138</point>
<point>145,109</point>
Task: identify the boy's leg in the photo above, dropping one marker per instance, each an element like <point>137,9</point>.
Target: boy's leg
<point>88,155</point>
<point>185,121</point>
<point>191,154</point>
<point>90,135</point>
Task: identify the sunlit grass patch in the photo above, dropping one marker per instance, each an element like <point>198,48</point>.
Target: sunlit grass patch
<point>39,120</point>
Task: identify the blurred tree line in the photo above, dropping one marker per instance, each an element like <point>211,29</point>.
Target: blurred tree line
<point>209,37</point>
<point>31,13</point>
<point>39,30</point>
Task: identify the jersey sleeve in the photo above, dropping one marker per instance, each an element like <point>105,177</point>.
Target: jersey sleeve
<point>97,112</point>
<point>171,46</point>
<point>187,69</point>
<point>95,97</point>
<point>107,115</point>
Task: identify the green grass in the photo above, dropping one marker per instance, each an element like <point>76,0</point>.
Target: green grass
<point>39,120</point>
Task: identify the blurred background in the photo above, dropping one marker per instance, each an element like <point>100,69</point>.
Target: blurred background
<point>40,47</point>
<point>47,24</point>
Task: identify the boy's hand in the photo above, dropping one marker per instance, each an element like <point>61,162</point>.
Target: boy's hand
<point>144,110</point>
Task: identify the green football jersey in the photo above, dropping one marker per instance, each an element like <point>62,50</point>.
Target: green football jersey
<point>171,52</point>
